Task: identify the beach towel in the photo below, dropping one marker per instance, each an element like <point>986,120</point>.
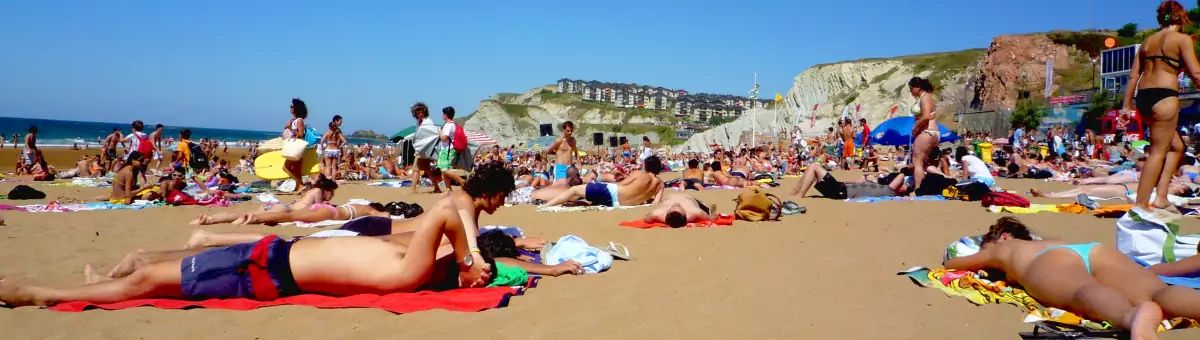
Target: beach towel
<point>722,220</point>
<point>570,247</point>
<point>586,208</point>
<point>392,184</point>
<point>59,207</point>
<point>458,300</point>
<point>979,290</point>
<point>327,223</point>
<point>84,182</point>
<point>896,198</point>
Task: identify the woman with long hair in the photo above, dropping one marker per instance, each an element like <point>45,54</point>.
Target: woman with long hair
<point>423,163</point>
<point>295,129</point>
<point>1154,79</point>
<point>925,134</point>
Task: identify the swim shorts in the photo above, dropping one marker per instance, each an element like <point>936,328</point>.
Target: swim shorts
<point>369,226</point>
<point>445,158</point>
<point>259,270</point>
<point>602,194</point>
<point>560,171</point>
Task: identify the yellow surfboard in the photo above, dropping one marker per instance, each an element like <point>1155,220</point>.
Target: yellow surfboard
<point>269,166</point>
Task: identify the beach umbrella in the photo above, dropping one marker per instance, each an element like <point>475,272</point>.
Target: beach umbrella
<point>898,131</point>
<point>403,133</point>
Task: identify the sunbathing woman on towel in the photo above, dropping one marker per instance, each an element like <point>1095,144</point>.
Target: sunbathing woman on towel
<point>317,198</point>
<point>1109,191</point>
<point>1089,279</point>
<point>338,266</point>
<point>639,188</point>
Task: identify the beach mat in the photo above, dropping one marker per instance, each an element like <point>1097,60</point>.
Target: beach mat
<point>458,300</point>
<point>722,220</point>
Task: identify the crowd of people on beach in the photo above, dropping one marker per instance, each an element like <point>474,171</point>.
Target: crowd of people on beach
<point>443,246</point>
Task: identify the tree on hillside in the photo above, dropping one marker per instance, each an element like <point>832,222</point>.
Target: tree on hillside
<point>1028,113</point>
<point>1102,101</point>
<point>1128,31</point>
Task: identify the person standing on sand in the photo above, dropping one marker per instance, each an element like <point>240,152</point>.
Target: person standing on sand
<point>333,141</point>
<point>423,164</point>
<point>925,134</point>
<point>110,148</point>
<point>295,129</point>
<point>156,138</point>
<point>1163,56</point>
<point>564,151</point>
<point>847,133</point>
<point>15,139</point>
<point>30,155</point>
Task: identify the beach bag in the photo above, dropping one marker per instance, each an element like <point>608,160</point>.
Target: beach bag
<point>459,140</point>
<point>754,205</point>
<point>1153,241</point>
<point>25,192</point>
<point>199,160</point>
<point>293,149</point>
<point>1004,199</point>
<point>972,191</point>
<point>144,146</point>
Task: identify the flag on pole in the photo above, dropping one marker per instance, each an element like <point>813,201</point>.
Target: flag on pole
<point>778,97</point>
<point>857,111</point>
<point>1049,77</point>
<point>812,118</point>
<point>892,111</point>
<point>845,112</point>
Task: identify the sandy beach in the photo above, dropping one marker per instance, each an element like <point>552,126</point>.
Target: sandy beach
<point>826,274</point>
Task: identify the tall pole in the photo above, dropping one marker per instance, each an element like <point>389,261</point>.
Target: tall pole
<point>753,121</point>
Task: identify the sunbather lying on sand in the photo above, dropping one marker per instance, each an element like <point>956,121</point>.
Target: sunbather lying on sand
<point>316,213</point>
<point>1109,191</point>
<point>639,188</point>
<point>317,197</point>
<point>816,177</point>
<point>1093,280</point>
<point>678,209</point>
<point>339,266</point>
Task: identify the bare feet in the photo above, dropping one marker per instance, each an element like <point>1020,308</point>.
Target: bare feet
<point>1144,321</point>
<point>1036,193</point>
<point>202,220</point>
<point>14,295</point>
<point>198,239</point>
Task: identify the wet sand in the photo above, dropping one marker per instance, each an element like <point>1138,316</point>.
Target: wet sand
<point>828,274</point>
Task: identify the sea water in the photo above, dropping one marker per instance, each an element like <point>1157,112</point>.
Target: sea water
<point>69,133</point>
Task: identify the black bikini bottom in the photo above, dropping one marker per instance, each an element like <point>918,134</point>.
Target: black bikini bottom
<point>1147,98</point>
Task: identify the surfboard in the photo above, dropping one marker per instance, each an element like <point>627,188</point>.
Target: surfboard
<point>269,166</point>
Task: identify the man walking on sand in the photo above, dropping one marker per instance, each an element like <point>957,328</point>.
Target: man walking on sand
<point>564,151</point>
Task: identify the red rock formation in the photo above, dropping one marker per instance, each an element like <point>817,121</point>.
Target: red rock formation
<point>1015,63</point>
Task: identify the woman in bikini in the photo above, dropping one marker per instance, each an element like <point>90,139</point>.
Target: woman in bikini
<point>316,197</point>
<point>1090,279</point>
<point>1162,57</point>
<point>334,140</point>
<point>925,131</point>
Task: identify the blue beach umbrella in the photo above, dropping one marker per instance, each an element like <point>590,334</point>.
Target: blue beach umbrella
<point>898,131</point>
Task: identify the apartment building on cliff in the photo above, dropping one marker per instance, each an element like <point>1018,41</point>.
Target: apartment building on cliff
<point>697,107</point>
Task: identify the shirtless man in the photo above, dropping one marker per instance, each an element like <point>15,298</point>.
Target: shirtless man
<point>156,138</point>
<point>677,210</point>
<point>722,178</point>
<point>847,134</point>
<point>339,266</point>
<point>30,153</point>
<point>109,149</point>
<point>639,188</point>
<point>564,151</point>
<point>693,177</point>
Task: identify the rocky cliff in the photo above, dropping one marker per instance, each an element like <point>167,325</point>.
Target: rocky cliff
<point>514,118</point>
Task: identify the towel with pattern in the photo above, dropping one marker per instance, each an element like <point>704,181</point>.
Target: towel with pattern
<point>976,288</point>
<point>896,198</point>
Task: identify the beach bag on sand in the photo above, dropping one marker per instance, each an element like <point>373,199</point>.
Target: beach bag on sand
<point>1004,199</point>
<point>1152,240</point>
<point>25,192</point>
<point>293,149</point>
<point>754,205</point>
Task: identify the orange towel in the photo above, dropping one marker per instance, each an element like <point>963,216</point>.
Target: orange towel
<point>722,219</point>
<point>1112,211</point>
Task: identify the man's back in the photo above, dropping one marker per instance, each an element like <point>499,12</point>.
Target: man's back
<point>640,188</point>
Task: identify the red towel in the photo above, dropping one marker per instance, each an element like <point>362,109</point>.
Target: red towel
<point>722,219</point>
<point>459,300</point>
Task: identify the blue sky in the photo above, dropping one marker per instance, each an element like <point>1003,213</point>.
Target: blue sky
<point>236,64</point>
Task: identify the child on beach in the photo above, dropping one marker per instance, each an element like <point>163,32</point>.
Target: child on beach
<point>1089,279</point>
<point>316,197</point>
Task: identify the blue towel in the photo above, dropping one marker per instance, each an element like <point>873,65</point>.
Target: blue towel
<point>1190,282</point>
<point>896,198</point>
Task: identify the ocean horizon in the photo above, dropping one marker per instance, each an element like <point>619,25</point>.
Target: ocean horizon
<point>67,133</point>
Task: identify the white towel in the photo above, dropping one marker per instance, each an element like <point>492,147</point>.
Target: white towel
<point>586,208</point>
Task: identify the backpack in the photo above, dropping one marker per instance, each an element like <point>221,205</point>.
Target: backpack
<point>754,205</point>
<point>144,146</point>
<point>459,139</point>
<point>1004,199</point>
<point>199,160</point>
<point>972,191</point>
<point>25,192</point>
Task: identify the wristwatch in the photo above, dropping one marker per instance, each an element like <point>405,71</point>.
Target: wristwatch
<point>469,260</point>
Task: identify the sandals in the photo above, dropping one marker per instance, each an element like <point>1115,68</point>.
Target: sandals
<point>619,251</point>
<point>791,208</point>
